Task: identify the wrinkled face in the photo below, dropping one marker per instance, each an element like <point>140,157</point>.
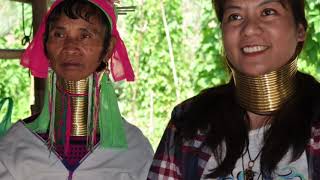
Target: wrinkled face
<point>75,47</point>
<point>259,36</point>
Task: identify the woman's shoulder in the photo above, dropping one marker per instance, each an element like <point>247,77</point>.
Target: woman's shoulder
<point>205,99</point>
<point>209,96</point>
<point>309,90</point>
<point>138,156</point>
<point>136,138</point>
<point>17,133</point>
<point>308,85</point>
<point>198,111</point>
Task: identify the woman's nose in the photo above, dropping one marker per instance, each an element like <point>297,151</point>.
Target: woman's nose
<point>71,45</point>
<point>252,27</point>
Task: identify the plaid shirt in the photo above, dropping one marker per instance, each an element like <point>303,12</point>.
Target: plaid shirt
<point>188,160</point>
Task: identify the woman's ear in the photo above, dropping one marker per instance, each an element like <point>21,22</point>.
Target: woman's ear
<point>110,48</point>
<point>301,33</point>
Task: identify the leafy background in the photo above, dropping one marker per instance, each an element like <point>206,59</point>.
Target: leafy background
<point>175,49</point>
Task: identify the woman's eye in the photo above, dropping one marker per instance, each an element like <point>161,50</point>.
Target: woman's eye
<point>234,17</point>
<point>58,35</point>
<point>268,12</point>
<point>85,36</point>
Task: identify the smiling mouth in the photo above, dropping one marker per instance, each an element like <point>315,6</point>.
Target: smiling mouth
<point>253,49</point>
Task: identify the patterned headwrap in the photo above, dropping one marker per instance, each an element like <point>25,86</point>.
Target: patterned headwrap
<point>36,60</point>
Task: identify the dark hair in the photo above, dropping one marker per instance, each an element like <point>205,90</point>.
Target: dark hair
<point>83,9</point>
<point>297,7</point>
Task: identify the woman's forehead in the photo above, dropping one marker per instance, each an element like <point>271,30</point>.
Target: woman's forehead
<point>65,22</point>
<point>76,10</point>
<point>244,3</point>
<point>76,19</point>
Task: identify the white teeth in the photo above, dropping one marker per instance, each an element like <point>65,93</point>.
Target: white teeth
<point>254,49</point>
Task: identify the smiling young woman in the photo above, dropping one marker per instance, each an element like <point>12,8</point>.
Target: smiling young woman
<point>264,123</point>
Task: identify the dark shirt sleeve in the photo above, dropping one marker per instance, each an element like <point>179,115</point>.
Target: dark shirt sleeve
<point>167,159</point>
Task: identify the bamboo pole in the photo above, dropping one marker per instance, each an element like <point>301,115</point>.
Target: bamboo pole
<point>39,9</point>
<point>10,53</point>
<point>170,48</point>
<point>22,1</point>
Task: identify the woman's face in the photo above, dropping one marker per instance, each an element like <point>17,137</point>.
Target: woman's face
<point>259,36</point>
<point>75,47</point>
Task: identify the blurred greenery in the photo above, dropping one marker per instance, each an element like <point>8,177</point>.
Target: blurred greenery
<point>196,48</point>
<point>15,81</point>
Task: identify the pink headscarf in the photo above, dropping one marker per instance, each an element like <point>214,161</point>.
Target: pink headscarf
<point>35,59</point>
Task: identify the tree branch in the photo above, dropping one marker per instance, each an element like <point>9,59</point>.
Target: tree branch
<point>22,1</point>
<point>10,54</point>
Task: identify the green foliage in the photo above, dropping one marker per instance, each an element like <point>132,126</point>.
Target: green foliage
<point>15,81</point>
<point>213,70</point>
<point>147,102</point>
<point>309,58</point>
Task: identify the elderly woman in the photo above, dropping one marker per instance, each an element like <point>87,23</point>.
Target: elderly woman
<point>80,133</point>
<point>263,124</point>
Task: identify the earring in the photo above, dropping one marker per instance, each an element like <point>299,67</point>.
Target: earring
<point>106,69</point>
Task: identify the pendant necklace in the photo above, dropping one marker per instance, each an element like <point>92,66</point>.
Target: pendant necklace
<point>248,172</point>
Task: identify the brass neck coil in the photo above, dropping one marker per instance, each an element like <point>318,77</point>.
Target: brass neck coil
<point>266,93</point>
<point>77,93</point>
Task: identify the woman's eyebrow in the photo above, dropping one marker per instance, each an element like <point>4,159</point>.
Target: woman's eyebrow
<point>89,30</point>
<point>230,7</point>
<point>57,27</point>
<point>269,1</point>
